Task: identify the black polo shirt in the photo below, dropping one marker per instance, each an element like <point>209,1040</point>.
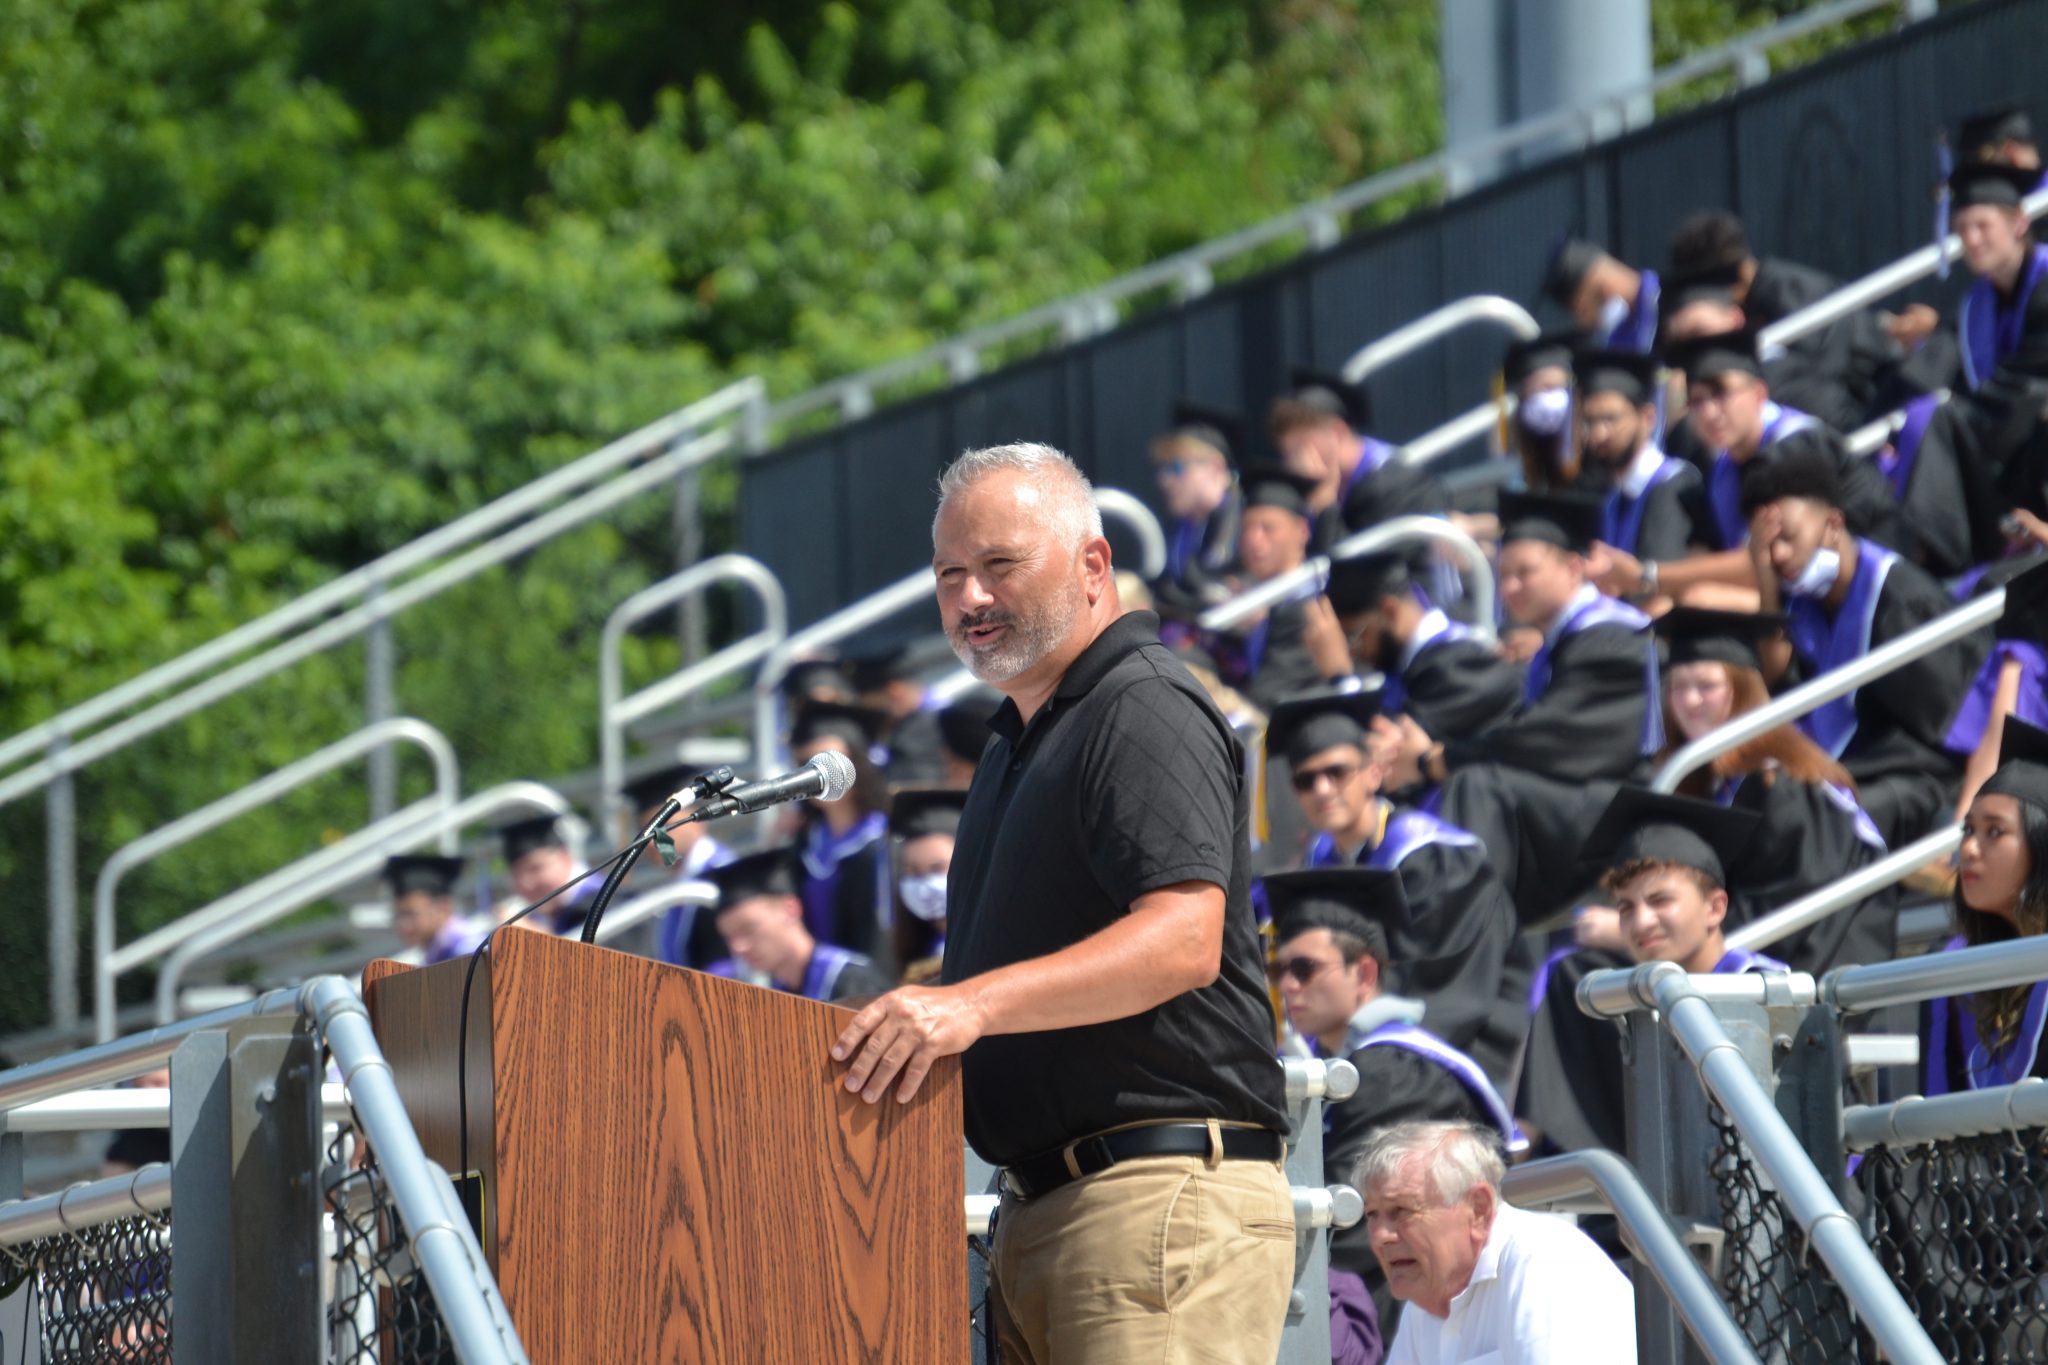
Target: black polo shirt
<point>1127,780</point>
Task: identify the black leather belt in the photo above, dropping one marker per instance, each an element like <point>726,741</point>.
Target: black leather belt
<point>1037,1176</point>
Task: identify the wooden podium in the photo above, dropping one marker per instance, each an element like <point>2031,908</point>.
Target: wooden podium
<point>673,1169</point>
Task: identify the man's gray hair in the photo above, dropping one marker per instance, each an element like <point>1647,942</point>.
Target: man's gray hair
<point>1069,499</point>
<point>1459,1156</point>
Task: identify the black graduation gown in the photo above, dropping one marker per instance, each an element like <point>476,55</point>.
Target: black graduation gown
<point>1842,373</point>
<point>1571,1089</point>
<point>1456,688</point>
<point>1950,511</point>
<point>1868,507</point>
<point>1285,665</point>
<point>1396,489</point>
<point>1666,530</point>
<point>916,751</point>
<point>1806,840</point>
<point>856,920</point>
<point>2004,412</point>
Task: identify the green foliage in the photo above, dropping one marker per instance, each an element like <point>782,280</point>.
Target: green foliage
<point>284,285</point>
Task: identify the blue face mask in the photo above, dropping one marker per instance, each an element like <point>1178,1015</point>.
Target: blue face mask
<point>1613,312</point>
<point>1819,575</point>
<point>925,897</point>
<point>1543,412</point>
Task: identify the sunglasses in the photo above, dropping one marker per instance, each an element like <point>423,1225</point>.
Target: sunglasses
<point>1302,969</point>
<point>1337,774</point>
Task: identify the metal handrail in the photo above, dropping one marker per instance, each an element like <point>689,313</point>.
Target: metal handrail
<point>1649,1235</point>
<point>108,1200</point>
<point>378,573</point>
<point>1914,644</point>
<point>1964,971</point>
<point>447,791</point>
<point>1391,532</point>
<point>1134,516</point>
<point>1491,308</point>
<point>1969,1113</point>
<point>616,711</point>
<point>1851,890</point>
<point>1806,1193</point>
<point>264,902</point>
<point>1442,440</point>
<point>1191,273</point>
<point>648,904</point>
<point>1613,992</point>
<point>92,1111</point>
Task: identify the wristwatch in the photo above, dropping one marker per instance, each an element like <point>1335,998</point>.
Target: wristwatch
<point>1648,586</point>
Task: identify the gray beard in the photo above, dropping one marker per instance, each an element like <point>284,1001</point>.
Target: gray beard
<point>1029,641</point>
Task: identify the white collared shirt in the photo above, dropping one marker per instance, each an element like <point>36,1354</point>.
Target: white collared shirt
<point>1432,624</point>
<point>1541,1294</point>
<point>1641,470</point>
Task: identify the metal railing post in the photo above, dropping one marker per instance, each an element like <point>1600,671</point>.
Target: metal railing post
<point>1853,889</point>
<point>60,814</point>
<point>1440,322</point>
<point>1319,1207</point>
<point>379,704</point>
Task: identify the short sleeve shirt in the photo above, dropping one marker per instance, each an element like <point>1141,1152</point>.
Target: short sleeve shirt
<point>1127,780</point>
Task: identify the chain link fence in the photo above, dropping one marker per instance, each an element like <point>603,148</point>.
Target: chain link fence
<point>379,1309</point>
<point>1961,1226</point>
<point>100,1295</point>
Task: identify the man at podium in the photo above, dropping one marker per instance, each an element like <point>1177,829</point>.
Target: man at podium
<point>1102,970</point>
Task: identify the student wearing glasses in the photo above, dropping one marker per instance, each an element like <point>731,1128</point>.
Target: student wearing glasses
<point>1454,945</point>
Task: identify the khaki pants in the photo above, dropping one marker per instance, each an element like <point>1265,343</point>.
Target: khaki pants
<point>1157,1261</point>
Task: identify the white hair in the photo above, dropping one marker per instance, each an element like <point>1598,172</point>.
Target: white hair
<point>1459,1156</point>
<point>1067,499</point>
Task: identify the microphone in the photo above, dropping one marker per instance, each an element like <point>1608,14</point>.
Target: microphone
<point>828,776</point>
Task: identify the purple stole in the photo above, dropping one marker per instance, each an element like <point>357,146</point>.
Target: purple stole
<point>1983,1068</point>
<point>1238,657</point>
<point>1407,830</point>
<point>1621,517</point>
<point>458,938</point>
<point>1724,476</point>
<point>1423,1043</point>
<point>1638,331</point>
<point>674,940</point>
<point>1827,645</point>
<point>828,961</point>
<point>1372,457</point>
<point>1603,611</point>
<point>822,855</point>
<point>1990,329</point>
<point>1896,460</point>
<point>2030,705</point>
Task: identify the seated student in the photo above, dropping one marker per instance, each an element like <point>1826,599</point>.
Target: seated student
<point>423,907</point>
<point>810,680</point>
<point>963,727</point>
<point>1293,643</point>
<point>2003,326</point>
<point>1453,683</point>
<point>1531,785</point>
<point>1319,428</point>
<point>761,916</point>
<point>908,742</point>
<point>1993,1038</point>
<point>1454,944</point>
<point>1615,303</point>
<point>538,859</point>
<point>1192,464</point>
<point>924,821</point>
<point>687,937</point>
<point>1845,596</point>
<point>1331,959</point>
<point>1812,829</point>
<point>2014,678</point>
<point>1538,372</point>
<point>1663,861</point>
<point>844,845</point>
<point>1649,497</point>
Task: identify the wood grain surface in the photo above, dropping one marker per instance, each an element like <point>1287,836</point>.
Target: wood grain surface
<point>678,1175</point>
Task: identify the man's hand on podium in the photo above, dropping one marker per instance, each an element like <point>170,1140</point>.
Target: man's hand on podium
<point>906,1031</point>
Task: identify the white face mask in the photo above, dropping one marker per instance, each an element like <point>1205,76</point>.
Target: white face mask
<point>1613,312</point>
<point>925,897</point>
<point>1543,412</point>
<point>1818,576</point>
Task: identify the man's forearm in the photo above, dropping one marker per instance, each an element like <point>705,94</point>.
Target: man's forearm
<point>1732,567</point>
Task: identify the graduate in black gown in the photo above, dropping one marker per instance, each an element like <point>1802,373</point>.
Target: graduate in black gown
<point>1442,673</point>
<point>1662,860</point>
<point>1193,464</point>
<point>1812,829</point>
<point>762,916</point>
<point>1537,372</point>
<point>1331,966</point>
<point>1650,498</point>
<point>1531,785</point>
<point>688,935</point>
<point>538,858</point>
<point>964,733</point>
<point>1320,429</point>
<point>843,845</point>
<point>1271,654</point>
<point>924,822</point>
<point>2003,326</point>
<point>1844,596</point>
<point>909,741</point>
<point>1949,506</point>
<point>1614,304</point>
<point>1454,945</point>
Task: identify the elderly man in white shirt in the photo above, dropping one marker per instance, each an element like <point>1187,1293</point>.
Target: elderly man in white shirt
<point>1485,1283</point>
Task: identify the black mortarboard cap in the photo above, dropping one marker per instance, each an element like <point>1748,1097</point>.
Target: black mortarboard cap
<point>859,726</point>
<point>1303,725</point>
<point>1570,521</point>
<point>772,873</point>
<point>409,873</point>
<point>1566,269</point>
<point>1642,824</point>
<point>1991,182</point>
<point>917,811</point>
<point>1363,901</point>
<point>1272,485</point>
<point>1224,432</point>
<point>1524,357</point>
<point>1357,584</point>
<point>1631,374</point>
<point>1699,635</point>
<point>2026,604</point>
<point>1978,137</point>
<point>877,668</point>
<point>805,675</point>
<point>650,789</point>
<point>1718,353</point>
<point>522,837</point>
<point>1791,469</point>
<point>963,726</point>
<point>1332,393</point>
<point>2022,765</point>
